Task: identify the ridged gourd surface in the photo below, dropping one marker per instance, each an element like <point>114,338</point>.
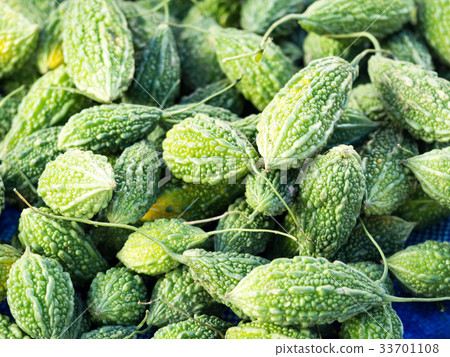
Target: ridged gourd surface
<point>113,298</point>
<point>63,241</point>
<point>434,21</point>
<point>305,291</point>
<point>207,150</point>
<point>108,128</point>
<point>220,272</point>
<point>191,329</point>
<point>301,117</point>
<point>178,288</point>
<point>432,169</point>
<point>40,296</point>
<point>389,232</point>
<point>329,202</point>
<point>423,269</point>
<point>98,49</point>
<point>142,255</point>
<point>379,17</point>
<point>77,183</point>
<point>414,98</point>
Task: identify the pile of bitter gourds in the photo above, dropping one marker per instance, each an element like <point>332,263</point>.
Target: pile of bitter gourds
<point>176,161</point>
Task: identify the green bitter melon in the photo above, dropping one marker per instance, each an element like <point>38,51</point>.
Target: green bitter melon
<point>178,289</point>
<point>64,241</point>
<point>98,49</point>
<point>77,183</point>
<point>40,296</point>
<point>331,192</point>
<point>207,150</point>
<point>301,117</point>
<point>413,97</point>
<point>143,256</point>
<point>191,329</point>
<point>114,296</point>
<point>108,129</point>
<point>432,169</point>
<point>423,269</point>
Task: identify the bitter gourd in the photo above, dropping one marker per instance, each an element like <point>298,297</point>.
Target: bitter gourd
<point>179,289</point>
<point>364,97</point>
<point>42,107</point>
<point>423,269</point>
<point>378,323</point>
<point>191,329</point>
<point>413,97</point>
<point>390,233</point>
<point>109,333</point>
<point>434,21</point>
<point>99,53</point>
<point>432,169</point>
<point>50,53</point>
<point>77,183</point>
<point>351,128</point>
<point>305,291</point>
<point>10,330</point>
<point>64,241</point>
<point>192,201</point>
<point>18,39</point>
<point>262,79</point>
<point>388,181</point>
<point>207,150</point>
<point>422,209</point>
<point>258,330</point>
<point>219,272</point>
<point>157,74</point>
<point>108,128</point>
<point>379,17</point>
<point>143,256</point>
<point>242,242</point>
<point>408,46</point>
<point>137,174</point>
<point>8,256</point>
<point>40,296</point>
<point>262,198</point>
<point>301,117</point>
<point>30,157</point>
<point>329,202</point>
<point>113,298</point>
<point>231,99</point>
